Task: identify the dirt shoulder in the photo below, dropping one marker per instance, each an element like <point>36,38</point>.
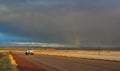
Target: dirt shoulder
<point>25,65</point>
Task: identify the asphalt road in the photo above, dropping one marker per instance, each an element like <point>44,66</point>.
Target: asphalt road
<point>59,63</point>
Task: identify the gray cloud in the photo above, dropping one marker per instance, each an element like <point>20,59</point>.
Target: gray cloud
<point>95,22</point>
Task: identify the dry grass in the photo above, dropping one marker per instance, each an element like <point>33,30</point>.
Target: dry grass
<point>5,63</point>
<point>94,54</point>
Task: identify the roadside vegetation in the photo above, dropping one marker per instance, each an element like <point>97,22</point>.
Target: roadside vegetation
<point>7,63</point>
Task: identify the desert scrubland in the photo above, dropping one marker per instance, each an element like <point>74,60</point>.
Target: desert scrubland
<point>92,54</point>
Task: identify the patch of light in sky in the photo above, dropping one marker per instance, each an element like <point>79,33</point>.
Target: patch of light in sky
<point>1,34</point>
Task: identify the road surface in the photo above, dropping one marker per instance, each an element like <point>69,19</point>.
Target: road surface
<point>25,65</point>
<point>59,63</point>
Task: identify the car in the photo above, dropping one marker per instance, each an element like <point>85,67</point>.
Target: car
<point>29,52</point>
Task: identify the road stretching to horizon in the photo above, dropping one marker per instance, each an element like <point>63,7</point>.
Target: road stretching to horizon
<point>60,63</point>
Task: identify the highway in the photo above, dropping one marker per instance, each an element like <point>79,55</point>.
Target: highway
<point>59,63</point>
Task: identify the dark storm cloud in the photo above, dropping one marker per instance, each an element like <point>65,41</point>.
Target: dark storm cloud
<point>94,22</point>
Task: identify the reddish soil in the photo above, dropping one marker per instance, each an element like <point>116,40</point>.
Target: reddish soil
<point>25,65</point>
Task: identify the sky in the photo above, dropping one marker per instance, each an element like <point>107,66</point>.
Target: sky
<point>74,22</point>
